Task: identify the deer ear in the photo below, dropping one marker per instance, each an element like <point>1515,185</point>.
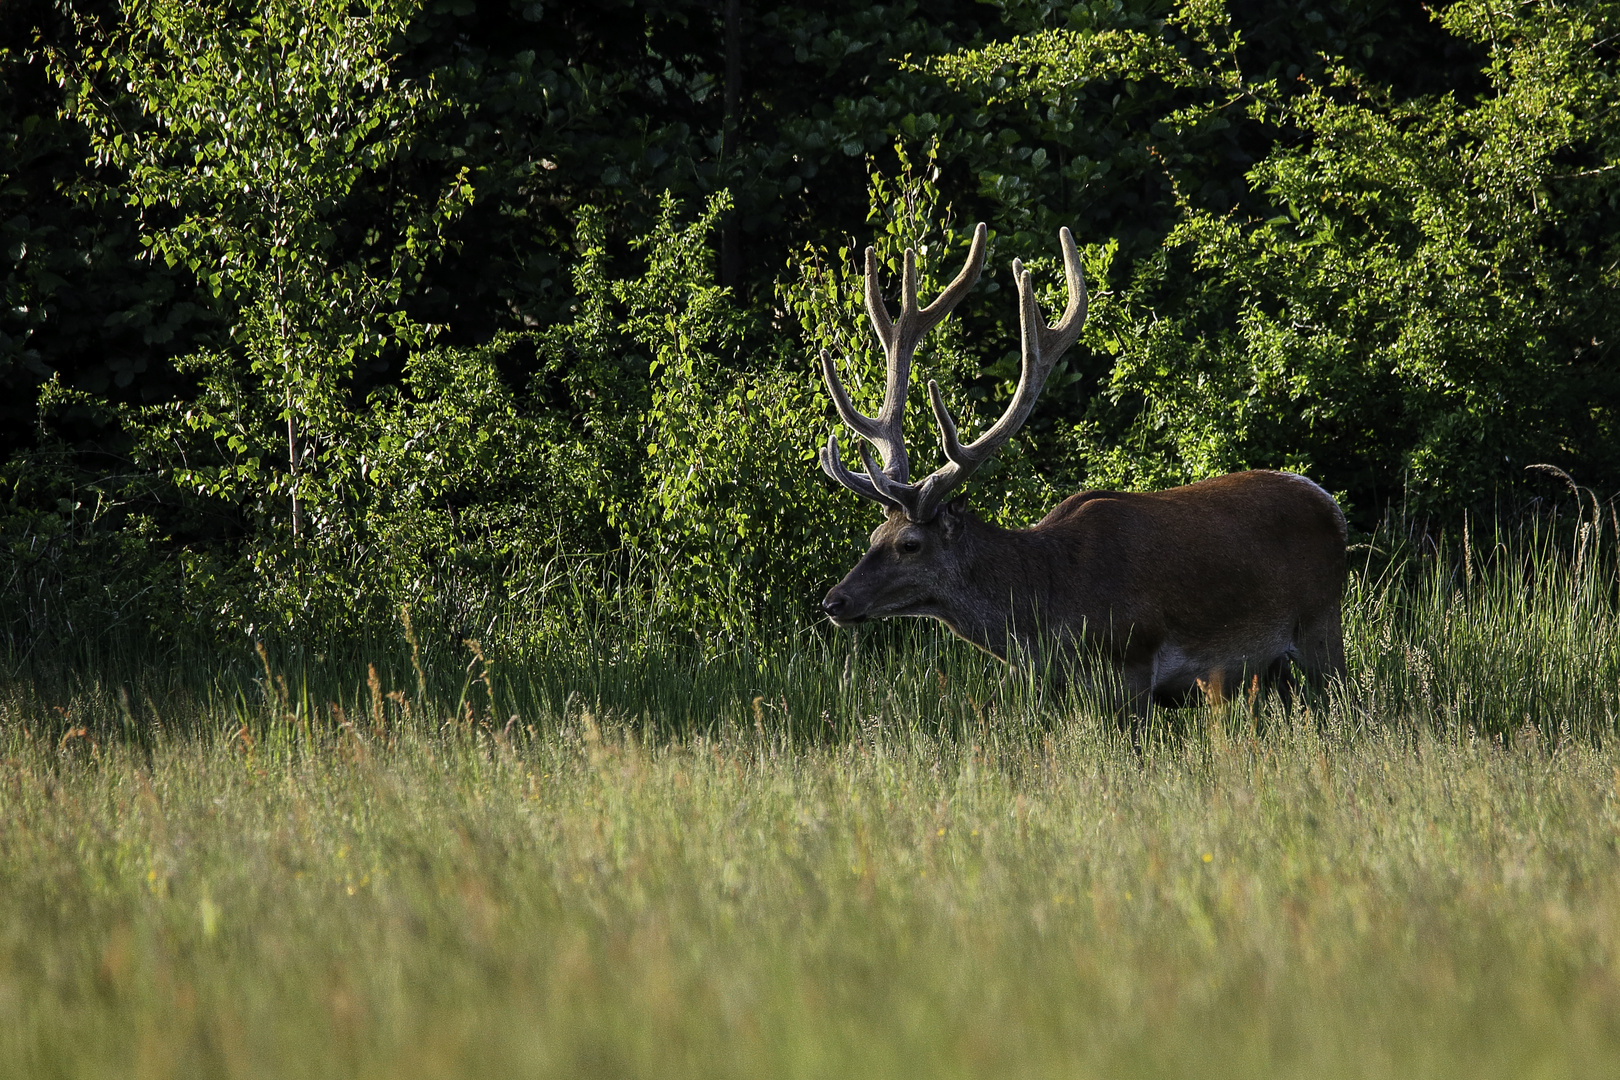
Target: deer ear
<point>951,515</point>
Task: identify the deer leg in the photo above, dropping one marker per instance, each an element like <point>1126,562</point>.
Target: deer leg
<point>1283,680</point>
<point>1278,676</point>
<point>1138,679</point>
<point>1320,652</point>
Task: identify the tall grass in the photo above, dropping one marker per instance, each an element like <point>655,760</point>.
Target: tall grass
<point>624,852</point>
<point>1490,635</point>
<point>1471,635</point>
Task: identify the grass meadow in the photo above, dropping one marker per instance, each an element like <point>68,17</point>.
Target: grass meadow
<point>827,856</point>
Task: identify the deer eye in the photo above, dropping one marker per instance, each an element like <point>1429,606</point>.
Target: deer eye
<point>910,547</point>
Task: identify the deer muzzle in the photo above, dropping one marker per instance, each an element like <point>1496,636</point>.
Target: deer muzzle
<point>840,608</point>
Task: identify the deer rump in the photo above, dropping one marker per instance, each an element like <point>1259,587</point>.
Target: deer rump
<point>1195,593</point>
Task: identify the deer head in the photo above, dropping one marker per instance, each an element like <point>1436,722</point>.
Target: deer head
<point>915,555</point>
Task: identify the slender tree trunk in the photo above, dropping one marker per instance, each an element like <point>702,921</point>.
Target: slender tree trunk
<point>277,231</point>
<point>730,241</point>
<point>292,464</point>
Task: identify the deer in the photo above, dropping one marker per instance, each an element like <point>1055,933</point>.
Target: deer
<point>1191,594</point>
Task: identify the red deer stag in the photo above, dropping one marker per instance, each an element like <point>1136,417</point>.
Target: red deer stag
<point>1206,588</point>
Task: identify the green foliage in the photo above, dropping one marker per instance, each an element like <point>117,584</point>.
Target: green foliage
<point>1424,309</point>
<point>452,491</point>
<point>556,107</point>
<point>242,135</point>
<point>724,504</point>
<point>1323,264</point>
<point>79,300</point>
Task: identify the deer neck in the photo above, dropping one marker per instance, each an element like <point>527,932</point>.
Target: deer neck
<point>996,598</point>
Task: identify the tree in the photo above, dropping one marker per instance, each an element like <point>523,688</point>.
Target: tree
<point>244,129</point>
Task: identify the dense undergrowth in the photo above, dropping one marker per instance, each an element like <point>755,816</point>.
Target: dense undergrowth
<point>1502,629</point>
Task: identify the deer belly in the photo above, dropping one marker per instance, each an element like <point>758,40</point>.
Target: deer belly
<point>1183,677</point>
<point>1175,675</point>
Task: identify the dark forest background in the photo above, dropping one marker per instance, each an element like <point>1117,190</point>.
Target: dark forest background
<point>319,311</point>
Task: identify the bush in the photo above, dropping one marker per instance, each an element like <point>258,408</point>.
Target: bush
<point>1428,306</point>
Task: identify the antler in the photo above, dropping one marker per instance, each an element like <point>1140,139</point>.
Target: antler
<point>1041,347</point>
<point>900,340</point>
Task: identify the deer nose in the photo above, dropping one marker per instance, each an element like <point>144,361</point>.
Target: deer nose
<point>834,605</point>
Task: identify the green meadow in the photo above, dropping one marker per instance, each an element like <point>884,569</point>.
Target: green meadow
<point>823,855</point>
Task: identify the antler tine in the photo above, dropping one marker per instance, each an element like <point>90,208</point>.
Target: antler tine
<point>931,316</point>
<point>1055,340</point>
<point>861,485</point>
<point>885,430</point>
<point>915,321</point>
<point>865,426</point>
<point>1041,347</point>
<point>900,340</point>
<point>876,309</point>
